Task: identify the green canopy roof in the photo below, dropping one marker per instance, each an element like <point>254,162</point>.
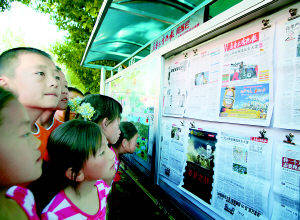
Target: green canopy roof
<point>124,27</point>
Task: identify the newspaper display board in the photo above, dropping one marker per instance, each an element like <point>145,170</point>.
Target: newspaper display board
<point>138,95</point>
<point>236,83</point>
<point>216,99</point>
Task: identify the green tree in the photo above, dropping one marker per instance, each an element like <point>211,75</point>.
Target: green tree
<point>78,18</point>
<point>5,4</point>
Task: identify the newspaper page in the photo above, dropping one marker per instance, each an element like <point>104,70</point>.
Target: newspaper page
<point>287,103</point>
<point>286,188</point>
<point>172,152</point>
<point>199,169</point>
<point>247,85</point>
<point>175,89</point>
<point>242,177</point>
<point>204,80</point>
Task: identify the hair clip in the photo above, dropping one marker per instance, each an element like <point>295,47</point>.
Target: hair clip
<point>74,103</point>
<point>86,110</point>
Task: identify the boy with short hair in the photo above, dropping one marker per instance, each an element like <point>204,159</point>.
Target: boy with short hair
<point>47,122</point>
<point>32,75</point>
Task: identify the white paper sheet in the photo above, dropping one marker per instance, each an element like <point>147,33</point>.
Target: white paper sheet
<point>242,176</point>
<point>172,152</point>
<point>247,85</point>
<point>287,105</point>
<point>204,80</point>
<point>287,182</point>
<point>175,91</point>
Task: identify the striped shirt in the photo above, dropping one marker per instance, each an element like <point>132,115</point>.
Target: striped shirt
<point>61,207</point>
<point>25,200</point>
<point>117,162</point>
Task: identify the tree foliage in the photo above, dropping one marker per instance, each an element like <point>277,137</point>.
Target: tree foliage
<point>78,18</point>
<point>5,4</point>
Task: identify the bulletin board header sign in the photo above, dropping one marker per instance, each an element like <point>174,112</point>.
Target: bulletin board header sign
<point>179,30</point>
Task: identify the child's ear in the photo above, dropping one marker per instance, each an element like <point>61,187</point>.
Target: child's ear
<point>80,176</point>
<point>104,123</point>
<point>69,174</point>
<point>125,144</point>
<point>4,82</point>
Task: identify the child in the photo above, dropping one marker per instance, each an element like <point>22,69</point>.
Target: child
<point>73,93</point>
<point>64,97</point>
<point>81,167</point>
<point>46,123</point>
<point>20,160</point>
<point>107,115</point>
<point>31,74</point>
<point>127,140</point>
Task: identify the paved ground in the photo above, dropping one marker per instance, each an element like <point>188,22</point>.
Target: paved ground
<point>128,201</point>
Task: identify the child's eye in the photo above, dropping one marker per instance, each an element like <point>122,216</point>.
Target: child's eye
<point>40,73</point>
<point>101,153</point>
<point>27,134</point>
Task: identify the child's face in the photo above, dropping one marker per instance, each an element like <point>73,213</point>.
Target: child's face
<point>112,131</point>
<point>102,166</point>
<point>64,95</point>
<point>36,81</point>
<point>132,144</point>
<point>20,159</point>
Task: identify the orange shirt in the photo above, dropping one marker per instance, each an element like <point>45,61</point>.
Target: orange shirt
<point>60,115</point>
<point>43,135</point>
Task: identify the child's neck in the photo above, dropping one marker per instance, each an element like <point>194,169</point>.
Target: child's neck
<point>86,198</point>
<point>118,152</point>
<point>34,114</point>
<point>46,118</point>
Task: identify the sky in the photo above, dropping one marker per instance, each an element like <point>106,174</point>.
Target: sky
<point>22,26</point>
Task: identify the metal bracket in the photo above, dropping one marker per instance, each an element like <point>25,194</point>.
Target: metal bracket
<point>120,68</point>
<point>195,52</point>
<point>289,139</point>
<point>262,134</point>
<point>185,55</point>
<point>266,24</point>
<point>293,13</point>
<point>132,61</point>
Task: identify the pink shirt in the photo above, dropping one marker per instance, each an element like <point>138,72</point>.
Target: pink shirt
<point>117,162</point>
<point>25,200</point>
<point>61,207</point>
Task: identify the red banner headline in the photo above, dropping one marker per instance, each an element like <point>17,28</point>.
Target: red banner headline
<point>252,38</point>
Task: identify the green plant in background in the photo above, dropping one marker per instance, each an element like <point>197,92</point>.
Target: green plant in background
<point>78,19</point>
<point>5,4</point>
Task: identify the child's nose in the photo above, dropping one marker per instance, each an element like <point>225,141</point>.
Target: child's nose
<point>54,82</point>
<point>36,142</point>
